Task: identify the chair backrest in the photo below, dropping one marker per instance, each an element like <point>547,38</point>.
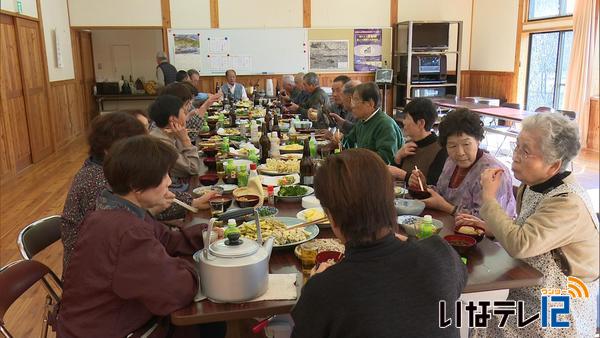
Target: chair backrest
<point>511,105</point>
<point>15,279</point>
<point>544,109</point>
<point>39,235</point>
<point>571,115</point>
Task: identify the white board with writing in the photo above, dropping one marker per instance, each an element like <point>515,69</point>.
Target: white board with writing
<point>248,51</point>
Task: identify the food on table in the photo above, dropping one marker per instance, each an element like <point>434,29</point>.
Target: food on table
<point>283,166</point>
<point>286,180</point>
<point>292,190</point>
<point>291,147</point>
<point>230,131</point>
<point>468,230</point>
<point>215,138</point>
<point>150,87</point>
<point>313,215</point>
<point>266,211</point>
<point>277,229</point>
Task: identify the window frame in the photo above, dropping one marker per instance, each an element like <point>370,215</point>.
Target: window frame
<point>557,70</point>
<point>546,18</point>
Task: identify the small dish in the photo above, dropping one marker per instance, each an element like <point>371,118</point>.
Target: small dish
<point>409,207</point>
<point>227,188</point>
<point>209,179</point>
<point>210,163</point>
<point>419,194</point>
<point>267,211</point>
<point>210,152</point>
<point>247,201</point>
<point>227,201</point>
<point>325,256</point>
<point>461,243</point>
<point>473,231</point>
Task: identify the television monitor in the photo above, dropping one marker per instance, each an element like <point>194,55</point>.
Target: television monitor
<point>430,36</point>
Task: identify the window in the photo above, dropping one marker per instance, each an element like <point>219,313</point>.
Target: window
<point>545,9</point>
<point>549,55</point>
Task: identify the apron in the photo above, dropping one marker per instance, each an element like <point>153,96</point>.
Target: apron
<point>583,310</point>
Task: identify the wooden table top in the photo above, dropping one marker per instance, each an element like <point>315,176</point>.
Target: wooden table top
<point>489,268</point>
<point>499,112</point>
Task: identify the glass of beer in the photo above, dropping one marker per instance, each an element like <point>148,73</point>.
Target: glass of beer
<point>308,256</point>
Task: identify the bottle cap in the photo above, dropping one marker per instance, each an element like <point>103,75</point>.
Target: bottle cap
<point>252,166</point>
<point>427,218</point>
<point>270,188</point>
<point>231,222</point>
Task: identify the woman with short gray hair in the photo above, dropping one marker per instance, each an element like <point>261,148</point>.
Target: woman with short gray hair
<point>556,230</point>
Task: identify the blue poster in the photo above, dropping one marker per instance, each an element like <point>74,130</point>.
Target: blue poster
<point>367,50</point>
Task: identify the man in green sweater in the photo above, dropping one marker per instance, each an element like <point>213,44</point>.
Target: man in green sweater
<point>375,130</point>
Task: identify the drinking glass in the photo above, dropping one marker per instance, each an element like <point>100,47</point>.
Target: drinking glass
<point>308,256</point>
<point>217,207</point>
<point>220,171</point>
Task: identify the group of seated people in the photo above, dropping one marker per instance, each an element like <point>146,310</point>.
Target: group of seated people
<point>123,272</point>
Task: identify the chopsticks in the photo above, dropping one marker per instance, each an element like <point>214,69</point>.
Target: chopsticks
<point>339,140</point>
<point>186,206</point>
<point>302,225</point>
<point>419,178</point>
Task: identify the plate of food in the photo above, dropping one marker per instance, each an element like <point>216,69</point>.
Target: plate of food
<point>291,156</point>
<point>228,132</point>
<point>324,244</point>
<point>279,167</point>
<point>412,225</point>
<point>277,181</point>
<point>291,148</point>
<point>313,214</point>
<point>278,228</point>
<point>293,192</point>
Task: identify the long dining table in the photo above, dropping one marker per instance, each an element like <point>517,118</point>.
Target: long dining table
<point>504,113</point>
<point>489,268</point>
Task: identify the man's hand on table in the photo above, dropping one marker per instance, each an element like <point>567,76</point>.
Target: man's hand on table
<point>201,203</point>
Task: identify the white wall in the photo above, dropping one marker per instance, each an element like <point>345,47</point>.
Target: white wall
<point>494,35</point>
<point>29,7</point>
<point>190,14</point>
<point>55,16</point>
<point>350,13</point>
<point>260,13</point>
<point>143,45</point>
<point>447,10</point>
<point>115,12</point>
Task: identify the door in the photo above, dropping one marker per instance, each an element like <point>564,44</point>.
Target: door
<point>34,88</point>
<point>121,55</point>
<point>15,152</point>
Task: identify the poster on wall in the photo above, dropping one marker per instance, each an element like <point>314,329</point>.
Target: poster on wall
<point>367,50</point>
<point>328,55</point>
<point>186,51</point>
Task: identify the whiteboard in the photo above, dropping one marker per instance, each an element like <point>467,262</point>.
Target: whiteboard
<point>248,51</point>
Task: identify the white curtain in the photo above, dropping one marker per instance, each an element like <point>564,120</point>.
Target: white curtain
<point>578,88</point>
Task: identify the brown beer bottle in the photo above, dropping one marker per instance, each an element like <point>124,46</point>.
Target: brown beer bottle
<point>276,125</point>
<point>265,144</point>
<point>307,168</point>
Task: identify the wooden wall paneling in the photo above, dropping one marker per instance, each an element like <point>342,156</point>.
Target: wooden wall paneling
<point>15,151</point>
<point>89,77</point>
<point>488,84</point>
<point>593,132</point>
<point>60,112</point>
<point>74,97</point>
<point>34,87</point>
<point>80,82</point>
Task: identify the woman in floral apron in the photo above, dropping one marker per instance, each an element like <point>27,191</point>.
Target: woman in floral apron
<point>556,230</point>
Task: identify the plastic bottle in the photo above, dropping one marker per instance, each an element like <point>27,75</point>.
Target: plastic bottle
<point>231,228</point>
<point>242,176</point>
<point>274,145</point>
<point>253,172</point>
<point>205,128</point>
<point>221,121</point>
<point>313,145</point>
<point>254,132</point>
<point>252,156</point>
<point>225,146</point>
<point>426,227</point>
<point>230,169</point>
<point>271,195</point>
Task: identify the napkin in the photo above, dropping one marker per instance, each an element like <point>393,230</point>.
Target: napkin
<point>281,287</point>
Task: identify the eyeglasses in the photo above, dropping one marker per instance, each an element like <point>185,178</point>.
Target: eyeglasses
<point>520,153</point>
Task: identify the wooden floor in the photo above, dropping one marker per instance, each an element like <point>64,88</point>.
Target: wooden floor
<point>40,191</point>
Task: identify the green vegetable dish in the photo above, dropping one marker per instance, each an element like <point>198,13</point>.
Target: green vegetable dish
<point>292,190</point>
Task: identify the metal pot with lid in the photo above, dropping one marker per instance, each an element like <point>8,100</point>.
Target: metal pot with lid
<point>234,269</point>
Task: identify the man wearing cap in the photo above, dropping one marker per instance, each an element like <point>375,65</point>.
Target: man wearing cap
<point>165,72</point>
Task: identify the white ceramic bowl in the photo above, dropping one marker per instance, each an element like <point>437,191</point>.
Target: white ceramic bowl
<point>310,202</point>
